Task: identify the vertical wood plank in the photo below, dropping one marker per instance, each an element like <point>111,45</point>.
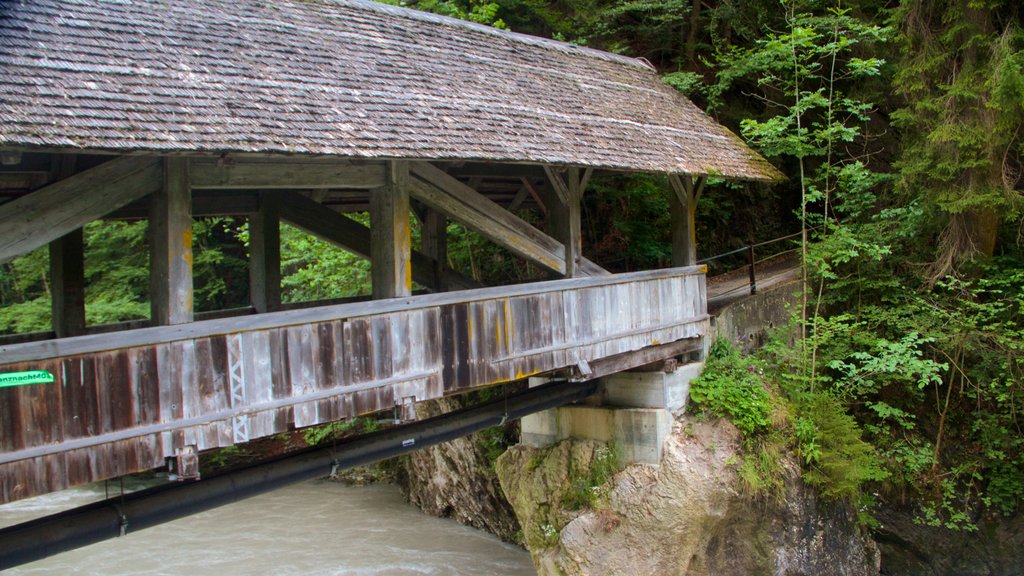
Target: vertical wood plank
<point>359,350</point>
<point>170,393</point>
<point>390,239</point>
<point>302,360</point>
<point>328,369</point>
<point>117,395</point>
<point>145,384</point>
<point>170,229</point>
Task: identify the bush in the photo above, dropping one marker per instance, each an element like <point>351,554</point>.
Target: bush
<point>732,385</point>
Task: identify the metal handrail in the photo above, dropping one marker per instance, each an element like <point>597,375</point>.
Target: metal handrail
<point>751,260</point>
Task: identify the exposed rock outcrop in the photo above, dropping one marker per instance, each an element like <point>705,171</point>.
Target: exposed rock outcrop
<point>911,549</point>
<point>687,516</point>
<point>456,479</point>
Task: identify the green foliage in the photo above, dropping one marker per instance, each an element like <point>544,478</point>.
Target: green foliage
<point>689,83</point>
<point>116,275</point>
<point>961,75</point>
<point>220,267</point>
<point>220,457</point>
<point>313,269</point>
<point>317,435</point>
<point>732,385</point>
<point>837,461</point>
<point>784,417</point>
<point>761,468</point>
<point>588,484</point>
<point>478,11</point>
<point>494,442</point>
<point>24,317</point>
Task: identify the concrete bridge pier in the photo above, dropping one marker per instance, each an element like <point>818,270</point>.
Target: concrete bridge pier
<point>632,410</point>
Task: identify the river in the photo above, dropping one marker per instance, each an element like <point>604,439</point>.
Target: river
<point>315,528</point>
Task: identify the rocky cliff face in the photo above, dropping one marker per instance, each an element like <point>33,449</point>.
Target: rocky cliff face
<point>910,549</point>
<point>687,516</point>
<point>456,480</point>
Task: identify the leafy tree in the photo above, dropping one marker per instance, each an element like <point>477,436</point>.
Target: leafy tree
<point>962,75</point>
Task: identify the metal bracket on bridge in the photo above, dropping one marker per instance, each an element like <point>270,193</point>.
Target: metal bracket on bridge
<point>184,465</point>
<point>406,411</point>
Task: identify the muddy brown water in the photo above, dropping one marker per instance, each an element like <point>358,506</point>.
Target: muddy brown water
<point>310,529</point>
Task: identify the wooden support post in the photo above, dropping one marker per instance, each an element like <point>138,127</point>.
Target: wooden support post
<point>170,245</point>
<point>435,245</point>
<point>67,267</point>
<point>265,254</point>
<point>567,222</point>
<point>753,273</point>
<point>67,284</point>
<point>682,203</point>
<point>390,241</point>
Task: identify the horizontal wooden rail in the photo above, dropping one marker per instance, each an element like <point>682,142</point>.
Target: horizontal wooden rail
<point>164,334</point>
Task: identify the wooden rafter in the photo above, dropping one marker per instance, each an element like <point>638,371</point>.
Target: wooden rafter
<point>459,202</point>
<point>38,218</point>
<point>568,218</point>
<point>345,232</point>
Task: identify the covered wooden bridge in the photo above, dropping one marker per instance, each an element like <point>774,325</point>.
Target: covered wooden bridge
<point>301,111</point>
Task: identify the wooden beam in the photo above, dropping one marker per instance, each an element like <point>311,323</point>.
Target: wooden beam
<point>435,244</point>
<point>265,255</point>
<point>628,360</point>
<point>350,235</point>
<point>321,221</point>
<point>684,235</point>
<point>698,188</point>
<point>457,201</point>
<point>35,351</point>
<point>390,239</point>
<point>205,203</point>
<point>292,173</point>
<point>557,184</point>
<point>536,195</point>
<point>59,208</point>
<point>170,245</point>
<point>494,170</point>
<point>567,218</point>
<point>521,195</point>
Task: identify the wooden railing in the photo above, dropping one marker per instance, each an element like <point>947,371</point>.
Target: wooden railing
<point>125,401</point>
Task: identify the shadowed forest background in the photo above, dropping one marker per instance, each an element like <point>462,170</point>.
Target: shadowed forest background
<point>900,127</point>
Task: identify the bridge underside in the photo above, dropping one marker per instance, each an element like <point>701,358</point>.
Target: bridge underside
<point>126,398</point>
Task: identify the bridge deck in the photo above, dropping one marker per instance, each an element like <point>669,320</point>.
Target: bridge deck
<point>124,402</point>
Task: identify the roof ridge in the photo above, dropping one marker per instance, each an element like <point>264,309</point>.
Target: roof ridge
<point>538,41</point>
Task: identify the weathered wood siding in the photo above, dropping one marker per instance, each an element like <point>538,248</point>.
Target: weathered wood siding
<point>123,402</point>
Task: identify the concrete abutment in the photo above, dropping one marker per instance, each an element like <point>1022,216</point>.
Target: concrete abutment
<point>633,411</point>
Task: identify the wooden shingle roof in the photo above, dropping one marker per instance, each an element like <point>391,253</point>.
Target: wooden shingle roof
<point>337,77</point>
